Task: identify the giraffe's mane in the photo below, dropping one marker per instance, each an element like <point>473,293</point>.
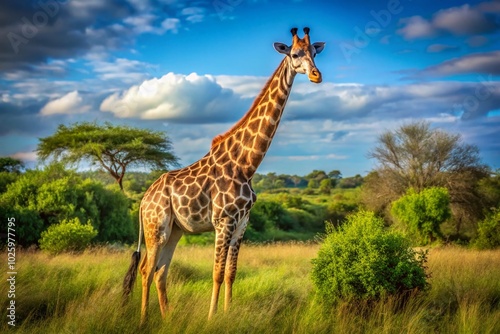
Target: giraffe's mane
<point>219,138</point>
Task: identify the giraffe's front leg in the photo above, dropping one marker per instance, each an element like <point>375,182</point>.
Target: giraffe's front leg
<point>224,228</point>
<point>232,260</point>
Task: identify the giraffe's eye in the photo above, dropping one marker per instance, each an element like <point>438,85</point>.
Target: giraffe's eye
<point>295,56</point>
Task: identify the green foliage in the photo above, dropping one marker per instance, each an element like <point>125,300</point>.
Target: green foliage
<point>39,199</point>
<point>292,201</point>
<point>418,156</point>
<point>351,182</point>
<point>10,165</point>
<point>283,216</point>
<point>207,238</point>
<point>7,178</point>
<point>488,232</point>
<point>490,189</point>
<point>360,260</point>
<point>68,236</point>
<point>258,220</point>
<point>112,147</point>
<point>313,184</point>
<point>423,212</point>
<point>309,182</point>
<point>337,211</point>
<point>273,215</point>
<point>325,186</point>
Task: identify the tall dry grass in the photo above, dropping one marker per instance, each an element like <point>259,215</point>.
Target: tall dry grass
<point>273,293</point>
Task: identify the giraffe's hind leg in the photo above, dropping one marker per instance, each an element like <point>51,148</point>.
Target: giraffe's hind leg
<point>157,232</point>
<point>162,267</point>
<point>148,266</point>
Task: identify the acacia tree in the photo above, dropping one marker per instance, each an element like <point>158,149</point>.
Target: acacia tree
<point>416,156</point>
<point>115,148</point>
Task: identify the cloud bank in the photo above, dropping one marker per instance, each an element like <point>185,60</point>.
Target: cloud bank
<point>180,98</point>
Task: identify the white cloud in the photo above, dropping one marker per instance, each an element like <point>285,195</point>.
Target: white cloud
<point>189,98</point>
<point>122,70</point>
<point>484,62</point>
<point>171,24</point>
<point>416,27</point>
<point>71,103</point>
<point>463,20</point>
<point>142,23</point>
<point>194,14</point>
<point>245,85</point>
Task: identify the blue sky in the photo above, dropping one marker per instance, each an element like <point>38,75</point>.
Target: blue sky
<point>192,69</point>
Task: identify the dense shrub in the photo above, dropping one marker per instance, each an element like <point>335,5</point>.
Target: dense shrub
<point>68,236</point>
<point>423,212</point>
<point>362,260</point>
<point>40,198</point>
<point>7,178</point>
<point>273,215</point>
<point>488,232</point>
<point>303,220</point>
<point>338,210</point>
<point>258,221</point>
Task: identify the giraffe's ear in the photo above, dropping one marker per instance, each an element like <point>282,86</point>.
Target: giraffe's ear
<point>282,48</point>
<point>319,46</point>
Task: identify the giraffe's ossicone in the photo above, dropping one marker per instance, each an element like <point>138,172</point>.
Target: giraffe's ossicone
<point>215,192</point>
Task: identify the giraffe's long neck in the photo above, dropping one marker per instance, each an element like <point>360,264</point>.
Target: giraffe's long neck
<point>247,142</point>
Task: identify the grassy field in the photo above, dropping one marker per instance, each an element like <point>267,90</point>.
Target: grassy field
<point>273,293</point>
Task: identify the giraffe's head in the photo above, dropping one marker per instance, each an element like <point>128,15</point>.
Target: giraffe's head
<point>302,54</point>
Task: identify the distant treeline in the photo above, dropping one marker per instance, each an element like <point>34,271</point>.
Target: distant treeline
<point>317,179</point>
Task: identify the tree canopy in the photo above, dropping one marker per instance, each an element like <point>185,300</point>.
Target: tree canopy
<point>417,156</point>
<point>11,165</point>
<point>115,148</point>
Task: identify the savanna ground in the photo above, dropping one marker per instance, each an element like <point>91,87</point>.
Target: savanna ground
<point>273,293</point>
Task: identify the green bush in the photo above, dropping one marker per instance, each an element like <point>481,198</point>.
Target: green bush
<point>423,212</point>
<point>488,232</point>
<point>41,198</point>
<point>362,260</point>
<point>271,214</point>
<point>68,236</point>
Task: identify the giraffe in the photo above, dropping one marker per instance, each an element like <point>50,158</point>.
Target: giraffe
<point>215,192</point>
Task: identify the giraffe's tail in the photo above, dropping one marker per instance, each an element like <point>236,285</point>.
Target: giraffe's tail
<point>130,277</point>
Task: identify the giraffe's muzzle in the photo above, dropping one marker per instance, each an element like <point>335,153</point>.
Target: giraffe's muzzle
<point>315,76</point>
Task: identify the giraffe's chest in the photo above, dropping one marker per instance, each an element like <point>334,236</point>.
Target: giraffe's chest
<point>232,198</point>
